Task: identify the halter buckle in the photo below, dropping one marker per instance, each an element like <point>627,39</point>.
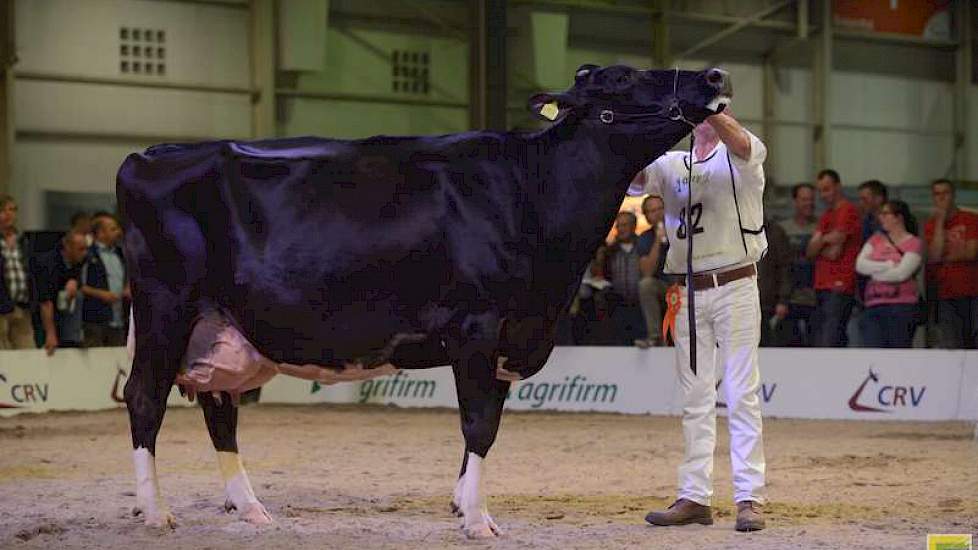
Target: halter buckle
<point>675,113</point>
<point>607,117</point>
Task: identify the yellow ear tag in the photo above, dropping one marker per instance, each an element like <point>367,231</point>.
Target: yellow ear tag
<point>550,110</point>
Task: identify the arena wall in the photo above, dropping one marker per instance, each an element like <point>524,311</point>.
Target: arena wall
<point>928,385</point>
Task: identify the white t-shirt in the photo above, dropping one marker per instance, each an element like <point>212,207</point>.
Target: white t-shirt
<point>727,211</point>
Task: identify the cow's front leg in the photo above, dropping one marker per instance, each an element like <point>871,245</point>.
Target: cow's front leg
<point>480,397</point>
<point>222,424</point>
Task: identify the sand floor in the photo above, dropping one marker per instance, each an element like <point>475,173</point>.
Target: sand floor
<point>375,477</point>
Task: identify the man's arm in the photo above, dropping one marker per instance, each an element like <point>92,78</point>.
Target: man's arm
<point>732,134</point>
<point>648,262</point>
<point>50,331</point>
<point>935,246</point>
<point>967,253</point>
<point>104,295</point>
<point>815,245</point>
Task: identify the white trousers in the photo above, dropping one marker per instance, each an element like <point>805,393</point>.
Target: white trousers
<point>728,329</point>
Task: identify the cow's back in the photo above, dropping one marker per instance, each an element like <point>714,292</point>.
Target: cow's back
<point>323,249</point>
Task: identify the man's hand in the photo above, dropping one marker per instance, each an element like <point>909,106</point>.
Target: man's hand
<point>731,133</point>
<point>660,232</point>
<point>71,289</point>
<point>781,311</point>
<point>50,343</point>
<point>832,252</point>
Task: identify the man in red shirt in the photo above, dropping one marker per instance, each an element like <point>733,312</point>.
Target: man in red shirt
<point>834,247</point>
<point>952,249</point>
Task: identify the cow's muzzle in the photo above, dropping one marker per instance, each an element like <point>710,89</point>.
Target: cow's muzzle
<point>723,83</point>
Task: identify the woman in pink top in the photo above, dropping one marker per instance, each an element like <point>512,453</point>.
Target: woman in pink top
<point>891,258</point>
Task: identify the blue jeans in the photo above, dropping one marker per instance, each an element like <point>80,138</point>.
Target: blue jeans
<point>832,311</point>
<point>888,326</point>
<point>956,323</point>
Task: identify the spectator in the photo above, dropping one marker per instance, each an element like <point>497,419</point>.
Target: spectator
<point>799,229</point>
<point>622,271</point>
<point>81,222</point>
<point>16,328</point>
<point>891,258</point>
<point>952,247</point>
<point>834,247</point>
<point>872,195</point>
<point>57,276</point>
<point>652,248</point>
<point>774,285</point>
<point>105,287</point>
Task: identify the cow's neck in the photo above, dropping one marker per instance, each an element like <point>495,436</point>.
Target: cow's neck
<point>589,171</point>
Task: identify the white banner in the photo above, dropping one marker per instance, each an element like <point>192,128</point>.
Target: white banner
<point>795,383</point>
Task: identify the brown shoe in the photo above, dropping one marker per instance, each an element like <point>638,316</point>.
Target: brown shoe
<point>682,512</point>
<point>750,516</point>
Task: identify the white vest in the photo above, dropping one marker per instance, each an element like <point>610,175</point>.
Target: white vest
<point>727,212</point>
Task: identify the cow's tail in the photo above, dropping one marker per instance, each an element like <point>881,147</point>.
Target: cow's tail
<point>131,339</point>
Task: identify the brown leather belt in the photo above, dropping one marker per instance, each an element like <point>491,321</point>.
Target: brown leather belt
<point>705,281</point>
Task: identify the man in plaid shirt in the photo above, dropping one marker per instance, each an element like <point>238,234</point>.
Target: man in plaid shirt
<point>16,331</point>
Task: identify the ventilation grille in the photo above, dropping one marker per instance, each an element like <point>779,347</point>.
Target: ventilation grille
<point>142,51</point>
<point>409,72</point>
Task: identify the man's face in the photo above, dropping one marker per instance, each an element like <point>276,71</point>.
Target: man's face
<point>654,211</point>
<point>8,215</point>
<point>75,248</point>
<point>625,228</point>
<point>828,190</point>
<point>805,202</point>
<point>869,202</point>
<point>943,196</point>
<point>109,231</point>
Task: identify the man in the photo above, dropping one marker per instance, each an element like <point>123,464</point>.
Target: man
<point>727,221</point>
<point>774,286</point>
<point>16,329</point>
<point>621,268</point>
<point>834,247</point>
<point>82,223</point>
<point>952,250</point>
<point>652,249</point>
<point>872,196</point>
<point>105,287</point>
<point>799,229</point>
<point>58,273</point>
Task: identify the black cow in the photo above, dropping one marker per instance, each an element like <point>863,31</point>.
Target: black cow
<point>407,251</point>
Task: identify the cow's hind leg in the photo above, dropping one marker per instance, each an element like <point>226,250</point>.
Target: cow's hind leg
<point>222,424</point>
<point>480,397</point>
<point>146,392</point>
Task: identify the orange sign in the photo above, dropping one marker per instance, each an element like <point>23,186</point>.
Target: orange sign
<point>924,18</point>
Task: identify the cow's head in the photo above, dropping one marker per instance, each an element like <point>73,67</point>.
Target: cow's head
<point>633,101</point>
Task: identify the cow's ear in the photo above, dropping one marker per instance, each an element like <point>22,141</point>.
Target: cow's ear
<point>583,72</point>
<point>550,106</point>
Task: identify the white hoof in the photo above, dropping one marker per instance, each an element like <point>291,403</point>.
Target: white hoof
<point>254,513</point>
<point>158,519</point>
<point>480,531</point>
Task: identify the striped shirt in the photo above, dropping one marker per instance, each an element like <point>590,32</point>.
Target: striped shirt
<point>624,272</point>
<point>14,273</point>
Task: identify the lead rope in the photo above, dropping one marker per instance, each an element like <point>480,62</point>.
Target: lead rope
<point>690,291</point>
